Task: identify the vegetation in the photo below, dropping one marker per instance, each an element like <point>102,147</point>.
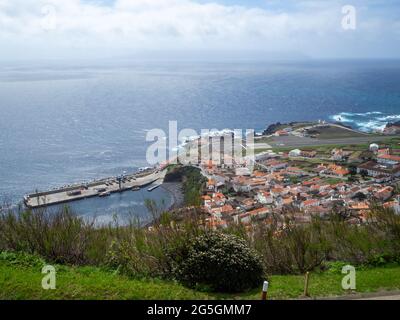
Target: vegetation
<point>192,183</point>
<point>170,250</point>
<point>20,278</point>
<point>221,262</point>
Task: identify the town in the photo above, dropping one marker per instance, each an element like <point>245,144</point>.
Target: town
<point>306,182</point>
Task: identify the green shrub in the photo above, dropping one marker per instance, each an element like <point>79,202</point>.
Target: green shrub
<point>335,267</point>
<point>21,259</point>
<point>220,262</point>
<point>294,249</point>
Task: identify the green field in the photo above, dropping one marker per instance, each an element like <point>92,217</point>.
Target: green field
<point>20,278</point>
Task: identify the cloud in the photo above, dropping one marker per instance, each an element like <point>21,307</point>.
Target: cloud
<point>72,27</point>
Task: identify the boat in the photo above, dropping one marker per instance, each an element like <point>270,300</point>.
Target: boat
<point>153,187</point>
<point>104,194</point>
<point>74,193</point>
<point>135,189</point>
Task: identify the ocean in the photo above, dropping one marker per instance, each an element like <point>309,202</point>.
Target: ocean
<point>64,123</point>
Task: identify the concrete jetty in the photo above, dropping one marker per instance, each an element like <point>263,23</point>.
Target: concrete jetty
<point>93,189</point>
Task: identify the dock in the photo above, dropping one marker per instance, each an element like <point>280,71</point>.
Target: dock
<point>155,186</point>
<point>93,189</point>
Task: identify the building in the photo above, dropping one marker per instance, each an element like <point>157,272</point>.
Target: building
<point>295,153</point>
<point>373,147</point>
<point>281,133</point>
<point>339,155</point>
<point>384,193</point>
<point>274,165</point>
<point>264,197</point>
<point>309,203</point>
<point>308,154</point>
<point>375,169</point>
<point>388,159</point>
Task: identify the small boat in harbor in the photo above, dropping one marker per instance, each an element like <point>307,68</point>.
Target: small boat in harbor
<point>136,189</point>
<point>104,194</point>
<point>153,188</point>
<point>74,193</point>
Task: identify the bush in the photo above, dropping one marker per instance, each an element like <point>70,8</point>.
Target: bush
<point>21,259</point>
<point>294,249</point>
<point>221,262</point>
<point>60,237</point>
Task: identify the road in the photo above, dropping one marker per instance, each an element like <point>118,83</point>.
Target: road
<point>296,142</point>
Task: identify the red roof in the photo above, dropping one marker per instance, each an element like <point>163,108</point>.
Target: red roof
<point>389,157</point>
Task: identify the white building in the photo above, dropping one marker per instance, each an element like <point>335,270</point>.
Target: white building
<point>374,147</point>
<point>295,153</point>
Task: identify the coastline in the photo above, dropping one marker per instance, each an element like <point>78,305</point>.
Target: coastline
<point>175,190</point>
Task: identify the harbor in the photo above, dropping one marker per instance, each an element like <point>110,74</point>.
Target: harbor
<point>100,188</point>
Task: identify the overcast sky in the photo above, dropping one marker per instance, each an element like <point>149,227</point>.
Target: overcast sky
<point>32,29</point>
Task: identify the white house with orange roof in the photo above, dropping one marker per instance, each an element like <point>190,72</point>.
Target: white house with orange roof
<point>264,197</point>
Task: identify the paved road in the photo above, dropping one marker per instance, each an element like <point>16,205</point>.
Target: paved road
<point>293,141</point>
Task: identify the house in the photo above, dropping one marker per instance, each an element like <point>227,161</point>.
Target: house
<point>240,184</point>
<point>375,169</point>
<point>258,213</point>
<point>383,151</point>
<point>388,159</point>
<point>308,154</point>
<point>395,205</point>
<point>318,210</point>
<point>243,171</point>
<point>374,147</point>
<point>294,171</point>
<point>359,206</point>
<point>295,153</point>
<point>215,223</point>
<point>278,191</point>
<point>264,197</point>
<point>384,193</point>
<point>207,201</point>
<point>309,203</point>
<point>274,165</point>
<point>281,133</point>
<point>211,185</point>
<point>339,154</point>
<point>225,209</point>
<point>284,201</point>
<point>336,170</point>
<point>382,178</point>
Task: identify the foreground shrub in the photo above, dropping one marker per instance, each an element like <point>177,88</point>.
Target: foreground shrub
<point>60,237</point>
<point>152,252</point>
<point>294,249</point>
<point>221,262</point>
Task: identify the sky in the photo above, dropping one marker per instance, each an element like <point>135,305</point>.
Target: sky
<point>79,29</point>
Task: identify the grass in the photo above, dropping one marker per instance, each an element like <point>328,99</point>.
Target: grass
<point>20,278</point>
<point>85,283</point>
<point>326,133</point>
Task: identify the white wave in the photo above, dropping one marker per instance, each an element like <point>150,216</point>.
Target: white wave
<point>341,118</point>
<point>389,118</point>
<point>371,126</point>
<point>367,121</point>
<point>373,112</point>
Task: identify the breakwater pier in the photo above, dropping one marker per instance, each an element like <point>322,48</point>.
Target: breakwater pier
<point>98,188</point>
